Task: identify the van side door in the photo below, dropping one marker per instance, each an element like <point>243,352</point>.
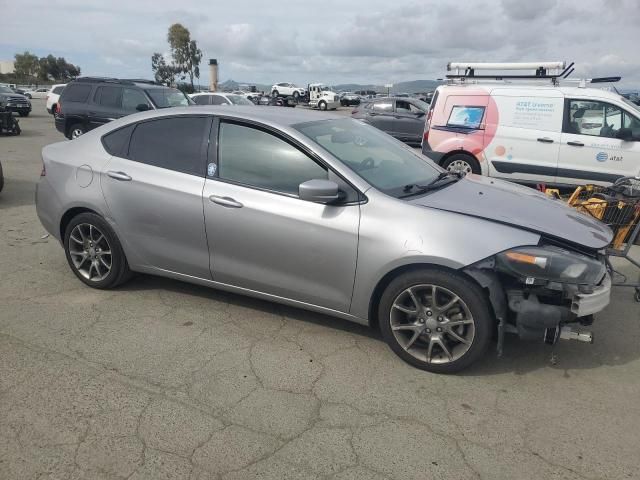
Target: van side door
<point>592,150</point>
<point>522,135</point>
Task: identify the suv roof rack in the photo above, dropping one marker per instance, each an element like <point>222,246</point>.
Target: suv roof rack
<point>122,81</point>
<point>553,71</point>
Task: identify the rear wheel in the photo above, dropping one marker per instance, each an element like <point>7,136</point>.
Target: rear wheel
<point>94,252</point>
<point>296,96</point>
<point>76,131</point>
<point>462,163</point>
<point>435,320</point>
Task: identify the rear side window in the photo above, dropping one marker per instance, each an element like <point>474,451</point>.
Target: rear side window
<point>57,90</point>
<point>218,100</point>
<point>383,106</point>
<point>253,157</point>
<point>76,92</point>
<point>173,143</point>
<point>201,100</point>
<point>117,142</point>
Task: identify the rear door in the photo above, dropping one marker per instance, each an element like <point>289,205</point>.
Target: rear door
<point>522,134</point>
<point>106,105</point>
<point>154,194</point>
<point>590,151</point>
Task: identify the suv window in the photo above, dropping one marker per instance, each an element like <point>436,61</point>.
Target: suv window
<point>201,100</point>
<point>109,97</point>
<point>385,106</point>
<point>57,90</point>
<point>131,98</point>
<point>587,117</point>
<point>253,157</point>
<point>77,92</point>
<point>173,143</point>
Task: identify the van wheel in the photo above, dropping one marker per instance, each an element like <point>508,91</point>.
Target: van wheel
<point>322,105</point>
<point>435,320</point>
<point>94,252</point>
<point>462,163</point>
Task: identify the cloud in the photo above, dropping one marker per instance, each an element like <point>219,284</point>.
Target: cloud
<point>368,41</point>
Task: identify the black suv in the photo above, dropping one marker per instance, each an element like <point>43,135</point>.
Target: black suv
<point>88,102</point>
<point>10,101</point>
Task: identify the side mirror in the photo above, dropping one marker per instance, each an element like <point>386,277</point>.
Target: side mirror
<point>625,134</point>
<point>142,107</point>
<point>319,191</point>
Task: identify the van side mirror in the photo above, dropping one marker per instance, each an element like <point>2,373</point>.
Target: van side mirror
<point>142,107</point>
<point>625,134</point>
<point>319,191</point>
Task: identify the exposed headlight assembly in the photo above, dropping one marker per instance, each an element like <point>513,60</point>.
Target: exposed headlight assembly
<point>550,263</point>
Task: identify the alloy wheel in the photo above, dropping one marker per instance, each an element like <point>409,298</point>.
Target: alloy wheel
<point>76,132</point>
<point>90,252</point>
<point>432,324</point>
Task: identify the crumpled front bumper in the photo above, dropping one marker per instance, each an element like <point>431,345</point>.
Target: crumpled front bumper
<point>589,303</point>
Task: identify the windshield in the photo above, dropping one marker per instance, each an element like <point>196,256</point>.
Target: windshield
<point>168,97</point>
<point>635,108</point>
<point>239,100</point>
<point>6,90</point>
<point>382,161</point>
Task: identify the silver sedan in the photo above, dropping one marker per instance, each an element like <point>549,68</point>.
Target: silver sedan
<point>328,214</point>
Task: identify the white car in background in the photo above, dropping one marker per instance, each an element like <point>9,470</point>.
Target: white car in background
<point>37,93</point>
<point>53,96</point>
<point>208,98</point>
<point>287,89</point>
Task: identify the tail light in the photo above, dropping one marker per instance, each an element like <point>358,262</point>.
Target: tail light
<point>425,136</point>
<point>59,107</point>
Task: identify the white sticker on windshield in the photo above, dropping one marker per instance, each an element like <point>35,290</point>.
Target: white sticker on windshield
<point>211,169</point>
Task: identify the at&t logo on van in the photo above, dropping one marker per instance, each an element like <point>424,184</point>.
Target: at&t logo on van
<point>602,157</point>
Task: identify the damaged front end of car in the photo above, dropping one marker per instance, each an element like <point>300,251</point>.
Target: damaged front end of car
<point>539,292</point>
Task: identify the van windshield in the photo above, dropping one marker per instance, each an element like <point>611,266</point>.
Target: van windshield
<point>379,159</point>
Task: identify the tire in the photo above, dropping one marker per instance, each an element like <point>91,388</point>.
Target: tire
<point>274,93</point>
<point>462,162</point>
<point>23,114</point>
<point>16,129</point>
<point>76,130</point>
<point>322,105</point>
<point>471,314</point>
<point>86,239</point>
<point>296,96</point>
<point>54,109</point>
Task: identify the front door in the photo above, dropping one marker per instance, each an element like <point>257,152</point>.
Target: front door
<point>154,195</point>
<point>261,236</point>
<point>380,115</point>
<point>409,121</point>
<point>590,150</point>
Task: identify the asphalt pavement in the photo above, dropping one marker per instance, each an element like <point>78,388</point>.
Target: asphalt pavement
<point>165,380</point>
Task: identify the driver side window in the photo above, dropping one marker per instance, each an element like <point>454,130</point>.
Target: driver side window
<point>132,98</point>
<point>597,119</point>
<point>253,157</point>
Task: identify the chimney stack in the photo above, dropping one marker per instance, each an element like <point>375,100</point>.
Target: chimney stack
<point>213,75</point>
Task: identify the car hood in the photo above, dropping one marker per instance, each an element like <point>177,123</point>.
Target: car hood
<point>519,206</point>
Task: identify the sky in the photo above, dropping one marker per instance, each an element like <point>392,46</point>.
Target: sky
<point>330,41</point>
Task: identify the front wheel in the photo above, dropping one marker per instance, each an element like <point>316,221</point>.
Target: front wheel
<point>94,252</point>
<point>322,105</point>
<point>435,320</point>
<point>462,163</point>
<point>274,93</point>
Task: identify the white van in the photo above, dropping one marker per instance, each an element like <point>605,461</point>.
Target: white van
<point>534,133</point>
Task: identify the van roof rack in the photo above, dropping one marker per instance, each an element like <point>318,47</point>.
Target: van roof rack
<point>553,71</point>
<point>122,81</point>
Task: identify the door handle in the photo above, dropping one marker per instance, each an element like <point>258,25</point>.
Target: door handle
<point>545,140</point>
<point>123,177</point>
<point>225,201</point>
<point>576,144</point>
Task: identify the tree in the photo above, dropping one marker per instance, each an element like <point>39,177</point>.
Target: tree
<point>163,73</point>
<point>185,52</point>
<point>26,65</point>
<point>54,68</point>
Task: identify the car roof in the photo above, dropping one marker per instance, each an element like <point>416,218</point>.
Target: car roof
<point>569,91</point>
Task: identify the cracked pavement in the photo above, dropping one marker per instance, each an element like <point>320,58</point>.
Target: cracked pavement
<point>164,380</point>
